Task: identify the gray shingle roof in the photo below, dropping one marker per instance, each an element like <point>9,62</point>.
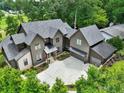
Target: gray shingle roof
<point>71,32</point>
<point>18,38</point>
<point>29,37</point>
<point>9,48</point>
<point>46,28</point>
<point>104,50</point>
<point>92,34</point>
<point>117,30</point>
<point>22,53</point>
<point>50,48</point>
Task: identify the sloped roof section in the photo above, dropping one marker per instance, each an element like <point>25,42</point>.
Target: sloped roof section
<point>9,48</point>
<point>29,37</point>
<point>18,38</point>
<point>92,34</point>
<point>46,28</point>
<point>104,50</point>
<point>71,32</point>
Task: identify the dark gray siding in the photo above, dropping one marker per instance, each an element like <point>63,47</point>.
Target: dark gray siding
<point>60,43</point>
<point>84,45</point>
<point>66,43</point>
<point>37,40</point>
<point>97,57</point>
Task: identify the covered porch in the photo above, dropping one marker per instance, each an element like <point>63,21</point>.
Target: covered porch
<point>51,53</point>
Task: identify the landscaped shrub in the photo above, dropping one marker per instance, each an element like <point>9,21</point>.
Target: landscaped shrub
<point>116,42</point>
<point>63,55</point>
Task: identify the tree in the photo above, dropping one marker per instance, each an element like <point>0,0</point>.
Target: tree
<point>59,87</point>
<point>87,12</point>
<point>11,82</point>
<point>1,14</point>
<point>103,80</point>
<point>116,42</point>
<point>115,10</point>
<point>12,23</point>
<point>100,18</point>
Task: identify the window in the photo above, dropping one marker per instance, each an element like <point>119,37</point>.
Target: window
<point>78,42</point>
<point>25,62</point>
<point>57,39</point>
<point>37,46</point>
<point>38,57</point>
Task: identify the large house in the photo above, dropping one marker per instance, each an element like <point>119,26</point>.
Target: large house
<point>40,41</point>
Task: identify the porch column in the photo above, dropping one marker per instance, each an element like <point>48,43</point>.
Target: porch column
<point>55,53</point>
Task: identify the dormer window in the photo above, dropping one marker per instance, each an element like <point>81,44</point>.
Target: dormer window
<point>37,46</point>
<point>78,42</point>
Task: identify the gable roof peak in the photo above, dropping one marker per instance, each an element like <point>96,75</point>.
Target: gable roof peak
<point>92,34</point>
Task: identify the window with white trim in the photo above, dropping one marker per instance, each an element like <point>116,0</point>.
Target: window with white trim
<point>37,46</point>
<point>78,42</point>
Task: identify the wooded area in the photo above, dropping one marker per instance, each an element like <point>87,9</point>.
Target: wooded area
<point>86,12</point>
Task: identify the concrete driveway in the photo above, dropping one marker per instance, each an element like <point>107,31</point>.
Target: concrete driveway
<point>68,70</point>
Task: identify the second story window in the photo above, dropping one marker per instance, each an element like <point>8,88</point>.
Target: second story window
<point>25,62</point>
<point>78,42</point>
<point>57,39</point>
<point>37,46</point>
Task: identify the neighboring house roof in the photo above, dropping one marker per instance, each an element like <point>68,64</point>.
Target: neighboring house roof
<point>116,30</point>
<point>92,34</point>
<point>106,35</point>
<point>46,28</point>
<point>104,50</point>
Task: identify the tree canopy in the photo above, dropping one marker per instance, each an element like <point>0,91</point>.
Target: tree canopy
<point>104,80</point>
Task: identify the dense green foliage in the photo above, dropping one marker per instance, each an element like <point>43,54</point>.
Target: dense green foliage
<point>116,42</point>
<point>104,80</point>
<point>2,61</point>
<point>115,10</point>
<point>59,87</point>
<point>11,82</point>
